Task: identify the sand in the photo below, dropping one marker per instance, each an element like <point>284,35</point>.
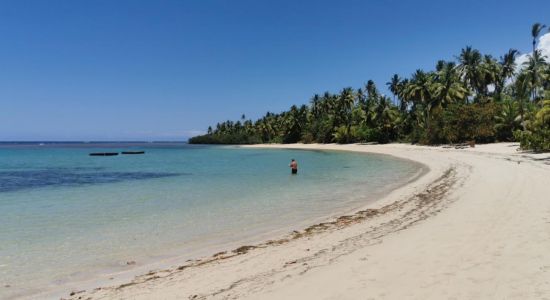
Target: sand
<point>476,226</point>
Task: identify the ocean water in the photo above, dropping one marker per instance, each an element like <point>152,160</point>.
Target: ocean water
<point>67,217</point>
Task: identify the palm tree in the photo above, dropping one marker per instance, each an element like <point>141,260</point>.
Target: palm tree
<point>508,62</point>
<point>543,115</point>
<point>393,85</point>
<point>520,90</point>
<point>447,87</point>
<point>401,94</point>
<point>387,119</point>
<point>508,120</point>
<point>368,115</point>
<point>534,68</point>
<point>419,87</point>
<point>315,106</point>
<point>419,90</point>
<point>371,103</point>
<point>488,75</point>
<point>346,102</point>
<point>294,121</point>
<point>370,87</point>
<point>535,32</point>
<point>507,70</point>
<point>361,97</point>
<point>327,103</point>
<point>440,65</point>
<point>469,61</point>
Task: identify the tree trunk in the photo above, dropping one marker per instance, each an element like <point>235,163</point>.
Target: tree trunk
<point>428,121</point>
<point>521,114</point>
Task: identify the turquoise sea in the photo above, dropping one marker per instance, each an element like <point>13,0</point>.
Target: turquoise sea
<point>68,217</point>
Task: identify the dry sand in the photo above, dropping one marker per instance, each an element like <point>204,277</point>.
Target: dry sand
<point>476,226</point>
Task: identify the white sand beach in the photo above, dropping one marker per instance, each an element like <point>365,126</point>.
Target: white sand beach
<point>476,226</point>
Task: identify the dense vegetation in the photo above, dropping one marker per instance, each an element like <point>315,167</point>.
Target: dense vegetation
<point>475,98</point>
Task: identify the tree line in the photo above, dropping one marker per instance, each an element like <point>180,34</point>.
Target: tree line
<point>476,97</point>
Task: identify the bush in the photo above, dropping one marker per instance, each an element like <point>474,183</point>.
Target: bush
<point>538,140</point>
<point>537,137</point>
<point>367,134</point>
<point>459,123</point>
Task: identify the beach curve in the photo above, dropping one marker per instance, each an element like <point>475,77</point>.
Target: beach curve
<point>469,228</point>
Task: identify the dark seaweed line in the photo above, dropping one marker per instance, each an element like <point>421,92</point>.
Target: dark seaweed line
<point>11,181</point>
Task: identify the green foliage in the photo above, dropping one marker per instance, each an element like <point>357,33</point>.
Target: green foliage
<point>463,123</point>
<point>476,98</point>
<point>538,140</point>
<point>537,135</point>
<point>507,120</point>
<point>366,134</point>
<point>342,135</point>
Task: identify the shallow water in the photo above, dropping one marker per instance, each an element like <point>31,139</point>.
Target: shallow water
<point>66,216</point>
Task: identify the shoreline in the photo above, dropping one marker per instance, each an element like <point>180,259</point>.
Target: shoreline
<point>135,267</point>
<point>230,273</point>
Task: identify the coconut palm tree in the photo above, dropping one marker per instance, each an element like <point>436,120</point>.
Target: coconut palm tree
<point>469,62</point>
<point>447,87</point>
<point>346,101</point>
<point>393,85</point>
<point>419,90</point>
<point>372,91</point>
<point>508,62</point>
<point>294,121</point>
<point>534,68</point>
<point>520,91</point>
<point>424,98</point>
<point>440,65</point>
<point>386,117</point>
<point>315,106</point>
<point>401,94</point>
<point>535,32</point>
<point>488,76</point>
<point>507,70</point>
<point>508,120</point>
<point>361,97</point>
<point>371,102</point>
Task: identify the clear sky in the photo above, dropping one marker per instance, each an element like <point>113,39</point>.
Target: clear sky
<point>164,70</point>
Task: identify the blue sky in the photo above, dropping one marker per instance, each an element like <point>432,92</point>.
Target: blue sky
<point>163,70</point>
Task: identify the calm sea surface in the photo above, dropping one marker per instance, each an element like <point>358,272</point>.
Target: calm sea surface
<point>67,217</point>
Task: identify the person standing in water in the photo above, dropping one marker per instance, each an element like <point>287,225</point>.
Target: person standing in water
<point>294,166</point>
